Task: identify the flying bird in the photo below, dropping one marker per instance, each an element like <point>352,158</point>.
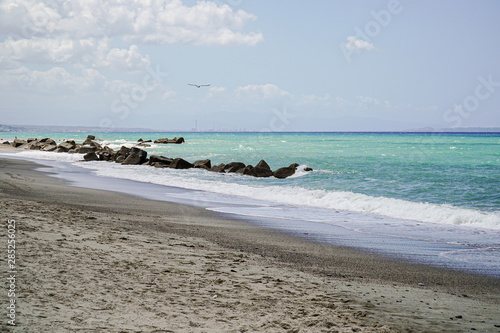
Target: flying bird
<point>198,85</point>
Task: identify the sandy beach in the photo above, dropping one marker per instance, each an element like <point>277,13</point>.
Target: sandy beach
<point>97,261</point>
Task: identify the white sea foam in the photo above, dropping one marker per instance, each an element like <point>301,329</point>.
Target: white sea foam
<point>337,200</point>
<point>196,179</point>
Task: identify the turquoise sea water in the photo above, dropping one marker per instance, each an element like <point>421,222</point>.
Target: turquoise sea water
<point>411,186</point>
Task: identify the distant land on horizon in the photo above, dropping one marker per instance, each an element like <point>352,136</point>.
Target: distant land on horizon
<point>88,129</point>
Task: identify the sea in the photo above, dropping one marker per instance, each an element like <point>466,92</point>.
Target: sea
<point>427,198</point>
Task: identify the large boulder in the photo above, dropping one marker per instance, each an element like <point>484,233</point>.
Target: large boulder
<point>262,169</point>
<point>166,140</point>
<point>218,168</point>
<point>92,156</point>
<point>246,170</point>
<point>66,146</point>
<point>122,154</point>
<point>160,161</point>
<point>203,164</point>
<point>49,147</point>
<point>136,156</point>
<point>106,154</point>
<point>84,149</point>
<point>234,166</point>
<point>286,171</point>
<point>179,163</point>
<point>47,141</point>
<point>17,142</point>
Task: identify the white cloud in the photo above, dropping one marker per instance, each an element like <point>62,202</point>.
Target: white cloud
<point>96,53</point>
<point>215,91</point>
<point>314,100</point>
<point>54,80</point>
<point>153,21</point>
<point>357,44</point>
<point>258,91</point>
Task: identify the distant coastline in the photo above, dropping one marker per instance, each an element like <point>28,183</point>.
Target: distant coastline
<point>88,129</point>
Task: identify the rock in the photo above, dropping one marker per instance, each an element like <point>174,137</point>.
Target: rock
<point>262,169</point>
<point>234,166</point>
<point>203,164</point>
<point>6,143</point>
<point>85,149</point>
<point>218,168</point>
<point>140,140</point>
<point>122,154</point>
<point>159,165</point>
<point>308,169</point>
<point>17,142</point>
<point>90,137</point>
<point>66,145</point>
<point>166,140</point>
<point>50,147</point>
<point>178,140</point>
<point>286,171</point>
<point>136,156</point>
<point>142,144</point>
<point>106,154</point>
<point>92,143</point>
<point>47,141</point>
<point>148,141</point>
<point>179,163</point>
<point>31,140</point>
<point>263,164</point>
<point>155,159</point>
<point>247,170</point>
<point>260,172</point>
<point>90,157</point>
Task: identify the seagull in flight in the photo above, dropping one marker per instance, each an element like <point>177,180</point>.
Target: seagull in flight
<point>198,85</point>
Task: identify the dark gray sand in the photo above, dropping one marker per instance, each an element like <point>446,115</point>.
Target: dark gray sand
<point>98,261</point>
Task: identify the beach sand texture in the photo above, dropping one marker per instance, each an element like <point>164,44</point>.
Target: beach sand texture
<point>96,261</point>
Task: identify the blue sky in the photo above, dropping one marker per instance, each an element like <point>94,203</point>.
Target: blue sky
<point>271,65</point>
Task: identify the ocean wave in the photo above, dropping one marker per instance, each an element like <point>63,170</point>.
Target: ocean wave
<point>201,180</point>
<point>334,200</point>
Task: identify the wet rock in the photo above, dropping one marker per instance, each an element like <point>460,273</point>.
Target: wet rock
<point>106,154</point>
<point>179,163</point>
<point>66,146</point>
<point>92,156</point>
<point>234,166</point>
<point>286,171</point>
<point>247,170</point>
<point>156,159</point>
<point>218,168</point>
<point>166,140</point>
<point>262,169</point>
<point>85,149</point>
<point>122,154</point>
<point>49,147</point>
<point>136,156</point>
<point>203,164</point>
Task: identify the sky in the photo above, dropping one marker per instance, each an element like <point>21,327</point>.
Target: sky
<point>322,65</point>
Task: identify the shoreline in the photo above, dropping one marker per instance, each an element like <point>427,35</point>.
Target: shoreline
<point>319,266</point>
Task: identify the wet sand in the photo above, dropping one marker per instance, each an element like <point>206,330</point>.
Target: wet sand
<point>98,261</point>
